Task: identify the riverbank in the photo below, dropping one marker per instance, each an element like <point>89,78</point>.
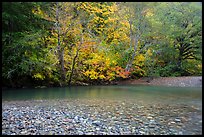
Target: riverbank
<point>191,81</point>
<point>99,117</point>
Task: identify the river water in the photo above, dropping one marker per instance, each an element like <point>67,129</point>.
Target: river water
<point>164,105</point>
<point>148,94</point>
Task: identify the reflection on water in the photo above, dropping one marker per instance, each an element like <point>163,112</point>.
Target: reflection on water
<point>142,93</point>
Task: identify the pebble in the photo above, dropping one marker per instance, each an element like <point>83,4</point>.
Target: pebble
<point>23,132</point>
<point>97,128</point>
<point>78,118</point>
<point>80,132</point>
<point>180,133</point>
<point>97,123</point>
<point>177,120</point>
<point>149,117</point>
<point>142,132</point>
<point>151,126</point>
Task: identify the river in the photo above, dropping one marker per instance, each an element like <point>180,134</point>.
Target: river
<point>147,99</point>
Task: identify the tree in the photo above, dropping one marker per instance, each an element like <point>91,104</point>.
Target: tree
<point>136,15</point>
<point>65,33</point>
<point>60,43</point>
<point>19,46</point>
<point>183,28</point>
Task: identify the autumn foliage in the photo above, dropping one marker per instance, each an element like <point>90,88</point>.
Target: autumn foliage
<point>65,43</point>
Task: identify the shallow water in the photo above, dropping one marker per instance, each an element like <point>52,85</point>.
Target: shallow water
<point>147,94</point>
<point>115,103</point>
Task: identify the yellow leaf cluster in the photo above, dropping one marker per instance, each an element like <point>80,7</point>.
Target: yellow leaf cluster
<point>149,52</point>
<point>39,76</point>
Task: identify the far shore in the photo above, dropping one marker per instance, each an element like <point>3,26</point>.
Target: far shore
<point>186,81</point>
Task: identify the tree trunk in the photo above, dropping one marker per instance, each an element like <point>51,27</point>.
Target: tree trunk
<point>74,60</point>
<point>136,38</point>
<point>129,64</point>
<point>72,68</point>
<point>60,49</point>
<point>179,63</point>
<point>12,83</point>
<point>61,62</point>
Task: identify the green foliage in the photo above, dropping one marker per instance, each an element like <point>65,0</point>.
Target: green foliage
<point>95,42</point>
<point>183,30</point>
<point>191,67</point>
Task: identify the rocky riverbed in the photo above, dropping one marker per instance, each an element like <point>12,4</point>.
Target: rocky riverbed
<point>99,117</point>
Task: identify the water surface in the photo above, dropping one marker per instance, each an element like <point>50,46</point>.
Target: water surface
<point>148,94</point>
<point>118,102</point>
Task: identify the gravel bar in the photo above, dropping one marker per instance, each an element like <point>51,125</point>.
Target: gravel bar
<point>99,117</point>
<point>185,81</point>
